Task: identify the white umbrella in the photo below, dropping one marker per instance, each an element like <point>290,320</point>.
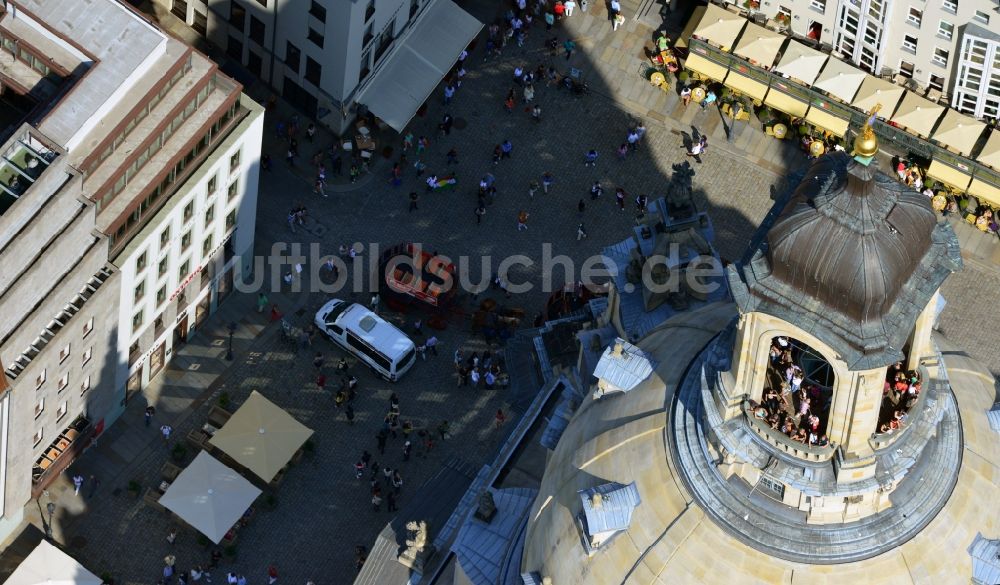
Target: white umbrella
<point>840,79</point>
<point>878,91</point>
<point>209,496</point>
<point>47,565</point>
<point>958,131</point>
<point>917,114</point>
<point>800,62</point>
<point>759,45</point>
<point>719,26</point>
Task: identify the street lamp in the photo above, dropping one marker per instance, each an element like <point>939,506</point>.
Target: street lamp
<point>232,329</point>
<point>51,507</point>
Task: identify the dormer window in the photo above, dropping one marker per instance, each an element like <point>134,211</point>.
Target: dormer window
<point>607,511</point>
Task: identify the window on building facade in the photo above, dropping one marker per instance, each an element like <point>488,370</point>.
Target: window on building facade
<point>370,10</point>
<point>200,23</point>
<point>37,437</point>
<point>39,380</point>
<point>164,238</point>
<point>366,60</point>
<point>140,291</point>
<point>189,211</point>
<point>915,16</point>
<point>183,272</point>
<point>88,327</point>
<point>317,39</point>
<point>140,262</point>
<point>369,35</point>
<point>234,189</point>
<point>137,322</point>
<point>946,29</point>
<point>64,353</point>
<point>316,9</point>
<point>940,56</point>
<point>89,353</point>
<point>950,5</point>
<point>213,184</point>
<point>292,57</point>
<point>234,48</point>
<point>209,215</point>
<point>262,3</point>
<point>63,409</point>
<point>39,407</point>
<point>257,30</point>
<point>161,268</point>
<point>819,5</point>
<point>158,327</point>
<point>385,40</point>
<point>186,241</point>
<point>414,7</point>
<point>237,14</point>
<point>982,17</point>
<point>910,43</point>
<point>314,71</point>
<point>63,382</point>
<point>906,69</point>
<point>85,385</point>
<point>161,295</point>
<point>231,220</point>
<point>206,246</point>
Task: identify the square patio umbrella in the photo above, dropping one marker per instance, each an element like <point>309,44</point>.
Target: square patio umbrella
<point>878,91</point>
<point>839,79</point>
<point>990,155</point>
<point>759,45</point>
<point>917,114</point>
<point>800,62</point>
<point>261,436</point>
<point>719,26</point>
<point>47,565</point>
<point>209,496</point>
<point>958,131</point>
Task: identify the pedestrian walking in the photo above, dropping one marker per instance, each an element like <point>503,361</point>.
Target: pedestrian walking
<point>580,232</point>
<point>359,469</point>
<point>532,187</point>
<point>618,19</point>
<point>500,418</point>
<point>506,148</point>
<point>381,438</point>
<point>449,92</point>
<point>272,575</point>
<point>695,151</point>
<point>408,141</point>
<point>497,154</point>
<point>581,206</point>
<point>442,429</point>
<point>431,345</point>
<point>420,167</point>
<point>522,220</point>
<point>480,212</point>
<point>311,131</point>
<point>349,414</point>
<point>165,430</point>
<point>376,502</point>
<point>94,484</point>
<point>374,303</point>
<point>422,144</point>
<point>172,536</point>
<point>640,203</point>
<point>390,502</point>
<point>529,93</point>
<point>407,448</point>
<point>620,198</point>
<point>414,197</point>
<point>147,415</point>
<point>290,157</point>
<point>321,382</point>
<point>569,6</point>
<point>262,302</point>
<point>569,47</point>
<point>591,159</point>
<point>452,157</point>
<point>536,113</point>
<point>633,140</point>
<point>547,181</point>
<point>622,151</point>
<point>584,5</point>
<point>318,361</point>
<point>445,126</point>
<point>77,484</point>
<point>596,190</point>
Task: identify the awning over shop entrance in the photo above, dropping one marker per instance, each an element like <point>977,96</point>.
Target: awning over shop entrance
<point>817,116</point>
<point>786,103</point>
<point>948,175</point>
<point>746,86</point>
<point>414,68</point>
<point>985,191</point>
<point>699,64</point>
<point>958,132</point>
<point>990,155</point>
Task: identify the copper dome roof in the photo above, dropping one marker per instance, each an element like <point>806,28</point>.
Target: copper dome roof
<point>850,255</point>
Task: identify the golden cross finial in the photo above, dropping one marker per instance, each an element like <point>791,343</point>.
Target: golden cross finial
<point>866,144</point>
<point>867,131</point>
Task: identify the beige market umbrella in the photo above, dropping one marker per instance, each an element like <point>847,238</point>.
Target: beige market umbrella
<point>261,437</point>
<point>759,45</point>
<point>800,62</point>
<point>958,132</point>
<point>47,565</point>
<point>209,496</point>
<point>878,91</point>
<point>990,155</point>
<point>839,79</point>
<point>719,26</point>
<point>917,114</point>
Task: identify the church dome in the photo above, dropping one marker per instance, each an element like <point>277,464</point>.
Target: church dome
<point>850,255</point>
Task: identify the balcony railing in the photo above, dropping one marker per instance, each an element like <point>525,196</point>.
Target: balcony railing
<point>778,440</point>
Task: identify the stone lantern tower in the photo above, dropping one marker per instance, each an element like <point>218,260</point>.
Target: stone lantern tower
<point>829,366</point>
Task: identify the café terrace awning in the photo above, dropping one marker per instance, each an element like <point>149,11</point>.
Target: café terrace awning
<point>839,79</point>
<point>710,69</point>
<point>745,85</point>
<point>949,175</point>
<point>958,132</point>
<point>878,91</point>
<point>414,68</point>
<point>818,116</point>
<point>47,565</point>
<point>786,103</point>
<point>719,27</point>
<point>990,155</point>
<point>759,45</point>
<point>801,63</point>
<point>985,191</point>
<point>917,114</point>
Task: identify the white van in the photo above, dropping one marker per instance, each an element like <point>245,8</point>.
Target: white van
<point>386,349</point>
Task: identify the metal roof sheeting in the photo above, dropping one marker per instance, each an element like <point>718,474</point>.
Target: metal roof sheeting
<point>614,512</point>
<point>482,547</point>
<point>993,415</point>
<point>623,365</point>
<point>985,555</point>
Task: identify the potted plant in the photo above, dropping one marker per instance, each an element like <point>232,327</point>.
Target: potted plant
<point>179,452</point>
<point>224,400</point>
<point>134,487</point>
<point>230,551</point>
<point>309,448</point>
<point>107,579</point>
<point>271,501</point>
<point>204,542</point>
<point>683,77</point>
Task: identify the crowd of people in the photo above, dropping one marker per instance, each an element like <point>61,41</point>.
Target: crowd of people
<point>900,392</point>
<point>790,403</point>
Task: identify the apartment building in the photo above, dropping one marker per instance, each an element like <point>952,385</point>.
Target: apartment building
<point>945,47</point>
<point>128,181</point>
<point>326,56</point>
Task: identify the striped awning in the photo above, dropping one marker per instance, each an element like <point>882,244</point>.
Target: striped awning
<point>786,103</point>
<point>699,64</point>
<point>948,175</point>
<point>817,116</point>
<point>745,85</point>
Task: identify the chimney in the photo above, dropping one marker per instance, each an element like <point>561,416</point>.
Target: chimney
<point>618,350</point>
<point>597,500</point>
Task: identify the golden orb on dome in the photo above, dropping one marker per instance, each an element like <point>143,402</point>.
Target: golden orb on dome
<point>866,144</point>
